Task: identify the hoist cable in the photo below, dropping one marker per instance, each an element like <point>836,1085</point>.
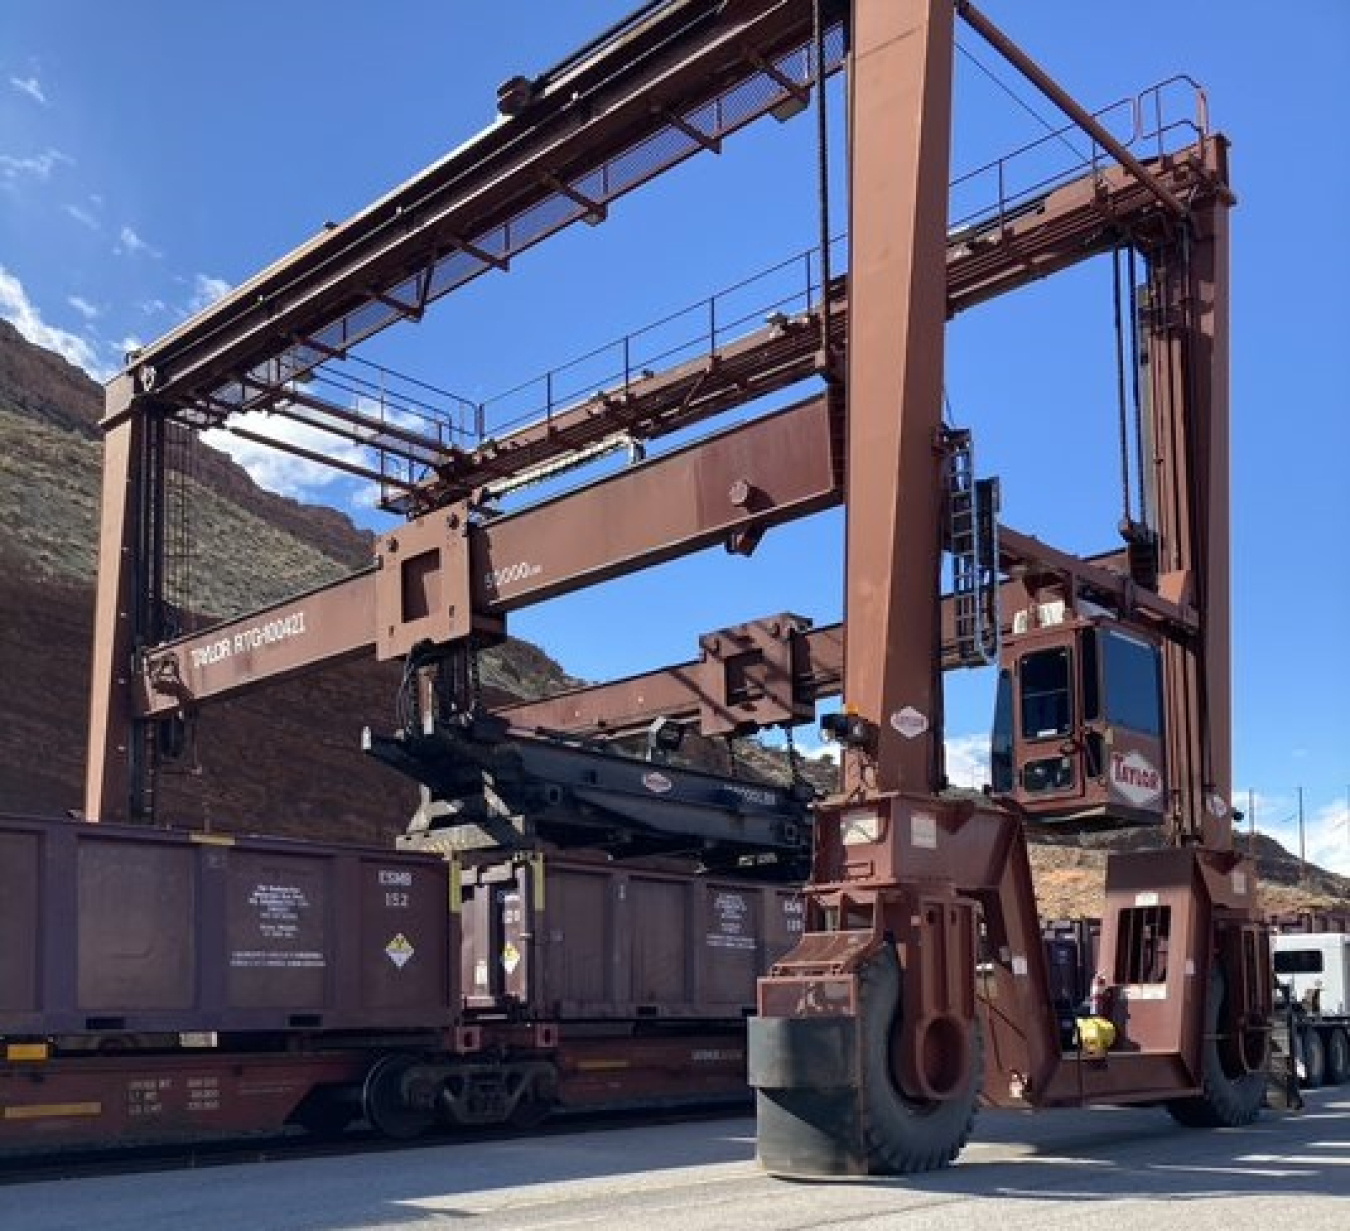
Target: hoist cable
<point>1145,512</point>
<point>1122,407</point>
<point>823,188</point>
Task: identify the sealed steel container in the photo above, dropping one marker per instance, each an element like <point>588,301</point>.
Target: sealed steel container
<point>119,928</point>
<point>564,938</point>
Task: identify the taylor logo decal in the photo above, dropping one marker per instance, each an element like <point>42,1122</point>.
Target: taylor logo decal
<point>1134,776</point>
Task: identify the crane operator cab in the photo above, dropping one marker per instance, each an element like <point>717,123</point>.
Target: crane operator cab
<point>1078,723</point>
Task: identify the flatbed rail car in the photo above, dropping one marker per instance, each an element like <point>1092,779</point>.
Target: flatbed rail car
<point>160,984</point>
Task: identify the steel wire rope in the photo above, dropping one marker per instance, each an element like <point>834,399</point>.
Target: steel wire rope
<point>1122,410</point>
<point>1135,390</point>
<point>823,188</point>
<point>1057,133</point>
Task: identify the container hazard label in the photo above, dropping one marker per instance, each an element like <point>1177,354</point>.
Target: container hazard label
<point>400,950</point>
<point>510,958</point>
<point>731,927</point>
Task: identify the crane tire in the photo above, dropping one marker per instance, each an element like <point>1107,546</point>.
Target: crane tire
<point>1226,1100</point>
<point>902,1135</point>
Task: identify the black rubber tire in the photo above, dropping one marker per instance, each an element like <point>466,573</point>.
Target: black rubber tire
<point>1227,1099</point>
<point>1338,1057</point>
<point>903,1136</point>
<point>1313,1052</point>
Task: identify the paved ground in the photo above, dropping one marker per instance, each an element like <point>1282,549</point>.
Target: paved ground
<point>1080,1170</point>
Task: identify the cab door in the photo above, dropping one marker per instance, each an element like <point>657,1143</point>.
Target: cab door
<point>1037,750</point>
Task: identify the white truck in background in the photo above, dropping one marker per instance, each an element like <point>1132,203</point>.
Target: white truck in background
<point>1312,971</point>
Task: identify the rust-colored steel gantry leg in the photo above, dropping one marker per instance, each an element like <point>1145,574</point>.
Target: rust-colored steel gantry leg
<point>846,1082</point>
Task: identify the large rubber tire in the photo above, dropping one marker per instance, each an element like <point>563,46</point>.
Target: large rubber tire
<point>1338,1057</point>
<point>903,1135</point>
<point>1312,1051</point>
<point>1228,1099</point>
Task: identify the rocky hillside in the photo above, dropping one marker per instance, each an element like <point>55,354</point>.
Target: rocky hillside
<point>285,760</point>
<point>1070,872</point>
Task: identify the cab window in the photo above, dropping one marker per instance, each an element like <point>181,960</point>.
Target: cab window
<point>1047,693</point>
<point>1132,682</point>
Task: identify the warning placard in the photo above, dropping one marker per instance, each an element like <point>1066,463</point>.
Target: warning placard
<point>400,950</point>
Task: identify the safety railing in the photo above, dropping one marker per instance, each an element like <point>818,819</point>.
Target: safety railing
<point>792,286</point>
<point>1159,120</point>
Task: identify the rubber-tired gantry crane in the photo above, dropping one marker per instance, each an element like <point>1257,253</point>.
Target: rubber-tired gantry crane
<point>920,983</point>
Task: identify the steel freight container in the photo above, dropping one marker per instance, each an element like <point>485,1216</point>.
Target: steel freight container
<point>563,938</point>
<point>110,929</point>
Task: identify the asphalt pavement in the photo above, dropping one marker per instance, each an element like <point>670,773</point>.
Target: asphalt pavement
<point>1098,1168</point>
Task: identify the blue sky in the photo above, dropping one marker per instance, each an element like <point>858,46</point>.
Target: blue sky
<point>152,155</point>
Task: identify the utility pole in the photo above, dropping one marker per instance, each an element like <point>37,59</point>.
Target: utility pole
<point>1302,848</point>
<point>1251,822</point>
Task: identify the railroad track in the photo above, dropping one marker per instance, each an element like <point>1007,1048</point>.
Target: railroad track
<point>84,1162</point>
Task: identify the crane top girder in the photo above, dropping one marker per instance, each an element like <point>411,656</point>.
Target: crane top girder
<point>675,79</point>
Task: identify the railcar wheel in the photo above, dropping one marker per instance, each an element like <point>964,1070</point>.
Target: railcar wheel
<point>1338,1057</point>
<point>1232,1090</point>
<point>903,1135</point>
<point>384,1100</point>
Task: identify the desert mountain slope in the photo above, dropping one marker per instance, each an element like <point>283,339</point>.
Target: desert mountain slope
<point>285,760</point>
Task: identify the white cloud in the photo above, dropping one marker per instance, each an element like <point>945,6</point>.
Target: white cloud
<point>90,311</point>
<point>1326,827</point>
<point>126,346</point>
<point>206,290</point>
<point>35,167</point>
<point>283,472</point>
<point>154,307</point>
<point>22,313</point>
<point>30,86</point>
<point>83,216</point>
<point>131,244</point>
<point>365,498</point>
<point>1328,837</point>
<point>968,761</point>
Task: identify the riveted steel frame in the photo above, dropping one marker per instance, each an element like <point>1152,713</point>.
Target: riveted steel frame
<point>889,849</point>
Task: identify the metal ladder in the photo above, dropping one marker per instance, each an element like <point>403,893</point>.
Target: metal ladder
<point>972,542</point>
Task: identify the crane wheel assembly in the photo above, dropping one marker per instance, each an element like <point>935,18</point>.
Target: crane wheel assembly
<point>863,1122</point>
<point>1232,1093</point>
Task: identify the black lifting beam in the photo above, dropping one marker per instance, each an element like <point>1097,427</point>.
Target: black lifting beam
<point>488,787</point>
